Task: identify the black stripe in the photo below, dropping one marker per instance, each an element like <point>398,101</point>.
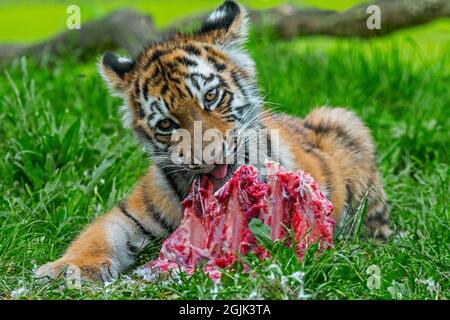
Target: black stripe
<point>176,80</point>
<point>189,91</point>
<point>236,80</point>
<point>154,76</point>
<point>381,236</point>
<point>349,193</point>
<point>219,66</point>
<point>222,82</point>
<point>168,75</point>
<point>165,103</point>
<point>137,89</point>
<point>195,83</point>
<point>380,216</point>
<point>208,78</point>
<point>171,67</point>
<point>237,108</point>
<point>157,148</point>
<point>349,198</point>
<point>133,249</point>
<point>142,134</point>
<point>180,93</point>
<point>140,110</point>
<point>192,50</point>
<point>223,100</point>
<point>145,88</point>
<point>168,134</point>
<point>155,56</point>
<point>374,198</point>
<point>312,149</point>
<point>150,118</point>
<point>155,213</point>
<point>152,115</point>
<point>186,61</point>
<point>124,210</point>
<point>163,138</point>
<point>232,117</point>
<point>344,136</point>
<point>269,147</point>
<point>171,180</point>
<point>164,89</point>
<point>157,106</point>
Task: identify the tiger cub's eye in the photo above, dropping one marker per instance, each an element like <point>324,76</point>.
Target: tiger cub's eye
<point>211,95</point>
<point>165,124</point>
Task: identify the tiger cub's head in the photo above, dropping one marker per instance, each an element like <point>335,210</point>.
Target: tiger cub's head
<point>205,77</point>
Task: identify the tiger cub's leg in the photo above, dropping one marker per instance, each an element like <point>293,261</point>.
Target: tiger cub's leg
<point>110,244</point>
<point>342,134</point>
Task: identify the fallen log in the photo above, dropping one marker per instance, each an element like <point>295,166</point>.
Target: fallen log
<point>289,21</point>
<point>130,30</point>
<point>124,29</point>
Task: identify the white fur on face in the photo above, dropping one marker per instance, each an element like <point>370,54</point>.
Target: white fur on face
<point>198,74</point>
<point>153,106</point>
<point>127,116</point>
<point>240,58</point>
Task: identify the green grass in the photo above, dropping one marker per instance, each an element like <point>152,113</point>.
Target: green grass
<point>65,158</point>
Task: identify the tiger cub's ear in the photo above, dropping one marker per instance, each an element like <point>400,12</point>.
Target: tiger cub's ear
<point>116,72</point>
<point>226,26</point>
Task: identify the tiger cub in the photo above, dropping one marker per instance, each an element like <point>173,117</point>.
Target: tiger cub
<point>208,77</point>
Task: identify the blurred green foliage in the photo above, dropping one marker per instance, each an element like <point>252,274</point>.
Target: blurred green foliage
<point>32,20</point>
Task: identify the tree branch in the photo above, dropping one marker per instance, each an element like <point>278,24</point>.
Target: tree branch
<point>289,21</point>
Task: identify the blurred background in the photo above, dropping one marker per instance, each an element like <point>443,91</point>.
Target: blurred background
<point>27,21</point>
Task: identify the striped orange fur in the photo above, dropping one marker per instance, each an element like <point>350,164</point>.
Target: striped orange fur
<point>207,76</point>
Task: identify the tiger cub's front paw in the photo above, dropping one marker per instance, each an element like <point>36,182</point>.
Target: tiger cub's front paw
<point>90,269</point>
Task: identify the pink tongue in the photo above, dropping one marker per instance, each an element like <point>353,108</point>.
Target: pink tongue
<point>219,171</point>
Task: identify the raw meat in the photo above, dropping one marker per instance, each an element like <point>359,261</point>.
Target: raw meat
<point>214,230</point>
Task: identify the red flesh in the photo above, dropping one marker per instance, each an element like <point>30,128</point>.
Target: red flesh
<point>215,230</point>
